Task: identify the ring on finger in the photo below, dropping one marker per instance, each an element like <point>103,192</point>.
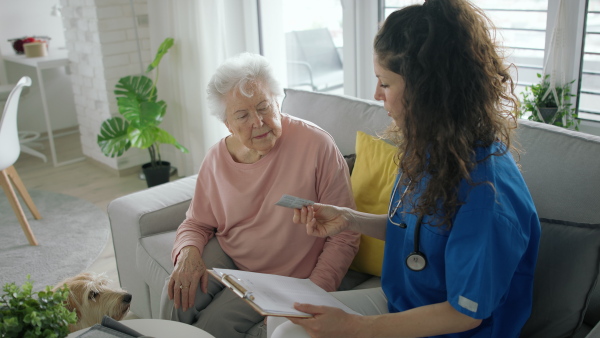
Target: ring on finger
<point>181,286</point>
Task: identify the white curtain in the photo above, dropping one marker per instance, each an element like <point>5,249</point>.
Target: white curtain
<point>556,55</point>
<point>564,44</point>
<point>200,30</point>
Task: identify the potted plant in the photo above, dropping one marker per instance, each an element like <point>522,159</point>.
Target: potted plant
<point>24,313</point>
<point>138,126</point>
<point>540,101</point>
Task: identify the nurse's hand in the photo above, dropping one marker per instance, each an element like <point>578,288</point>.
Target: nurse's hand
<point>330,322</point>
<point>323,220</point>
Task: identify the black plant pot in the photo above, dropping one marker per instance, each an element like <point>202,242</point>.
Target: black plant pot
<point>157,175</point>
<point>548,113</point>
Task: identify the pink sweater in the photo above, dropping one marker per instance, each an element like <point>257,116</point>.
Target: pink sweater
<point>236,203</point>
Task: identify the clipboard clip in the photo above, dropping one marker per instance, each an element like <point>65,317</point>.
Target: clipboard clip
<point>229,280</point>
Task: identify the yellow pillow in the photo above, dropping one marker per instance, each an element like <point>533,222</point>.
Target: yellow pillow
<point>372,181</point>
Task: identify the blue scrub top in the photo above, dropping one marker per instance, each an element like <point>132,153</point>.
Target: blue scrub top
<point>484,265</point>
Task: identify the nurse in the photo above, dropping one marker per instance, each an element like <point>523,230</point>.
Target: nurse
<point>462,232</point>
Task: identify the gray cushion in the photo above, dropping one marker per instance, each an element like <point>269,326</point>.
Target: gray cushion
<point>341,116</point>
<point>350,160</point>
<point>153,264</point>
<point>561,169</point>
<point>352,279</point>
<point>565,275</point>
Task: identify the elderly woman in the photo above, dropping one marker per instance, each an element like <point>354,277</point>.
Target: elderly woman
<point>233,222</point>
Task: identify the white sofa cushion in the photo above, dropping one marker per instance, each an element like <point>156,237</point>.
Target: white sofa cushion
<point>341,116</point>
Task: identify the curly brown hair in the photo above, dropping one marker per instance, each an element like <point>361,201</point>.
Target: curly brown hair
<point>459,94</point>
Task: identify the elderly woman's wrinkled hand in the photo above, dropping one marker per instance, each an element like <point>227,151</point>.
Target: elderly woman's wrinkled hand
<point>189,273</point>
<point>322,220</point>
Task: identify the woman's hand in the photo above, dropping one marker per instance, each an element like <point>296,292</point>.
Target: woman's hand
<point>322,220</point>
<point>189,273</point>
<point>329,322</point>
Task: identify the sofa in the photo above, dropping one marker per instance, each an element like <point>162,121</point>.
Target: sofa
<point>560,167</point>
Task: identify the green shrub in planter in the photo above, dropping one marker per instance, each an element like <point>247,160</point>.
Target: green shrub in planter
<point>142,113</point>
<point>24,313</point>
<point>542,106</point>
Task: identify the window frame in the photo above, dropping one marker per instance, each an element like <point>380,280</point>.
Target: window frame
<point>576,25</point>
<point>587,115</point>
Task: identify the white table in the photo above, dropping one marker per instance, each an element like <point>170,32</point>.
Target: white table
<point>159,328</point>
<point>56,58</point>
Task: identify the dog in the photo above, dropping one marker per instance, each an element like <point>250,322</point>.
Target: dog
<point>92,298</point>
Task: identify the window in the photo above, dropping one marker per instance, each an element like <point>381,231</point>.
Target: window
<point>326,44</point>
<point>589,93</point>
<point>314,44</point>
<point>521,29</point>
<point>521,25</point>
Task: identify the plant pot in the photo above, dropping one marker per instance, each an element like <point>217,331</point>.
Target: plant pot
<point>548,114</point>
<point>157,175</point>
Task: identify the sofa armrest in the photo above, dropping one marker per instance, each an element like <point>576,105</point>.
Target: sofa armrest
<point>152,211</point>
<point>595,333</point>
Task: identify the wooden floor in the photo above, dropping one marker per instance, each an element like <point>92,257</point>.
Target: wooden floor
<point>86,180</point>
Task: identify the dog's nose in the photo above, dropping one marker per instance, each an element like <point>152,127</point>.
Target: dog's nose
<point>127,298</point>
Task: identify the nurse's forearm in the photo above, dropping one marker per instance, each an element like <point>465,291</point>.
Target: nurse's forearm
<point>367,224</point>
<point>430,320</point>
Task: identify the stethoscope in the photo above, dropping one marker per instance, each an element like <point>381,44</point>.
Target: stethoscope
<point>416,260</point>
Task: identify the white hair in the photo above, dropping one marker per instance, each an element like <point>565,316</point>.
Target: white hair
<point>235,73</point>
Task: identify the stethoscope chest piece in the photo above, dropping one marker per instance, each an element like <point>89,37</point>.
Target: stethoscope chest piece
<point>416,261</point>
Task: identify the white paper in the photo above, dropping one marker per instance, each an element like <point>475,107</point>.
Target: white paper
<point>277,294</point>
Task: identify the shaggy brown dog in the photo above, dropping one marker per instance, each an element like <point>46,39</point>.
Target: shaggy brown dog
<point>92,299</point>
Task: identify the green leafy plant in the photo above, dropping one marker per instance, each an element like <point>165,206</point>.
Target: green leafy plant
<point>142,114</point>
<point>24,313</point>
<point>537,99</point>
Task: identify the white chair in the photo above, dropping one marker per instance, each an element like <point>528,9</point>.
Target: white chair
<point>26,138</point>
<point>10,149</point>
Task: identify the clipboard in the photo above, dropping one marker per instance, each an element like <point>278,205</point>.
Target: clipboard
<point>274,295</point>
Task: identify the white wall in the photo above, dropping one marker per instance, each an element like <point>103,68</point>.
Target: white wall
<point>32,17</point>
<point>101,39</point>
<point>29,17</point>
